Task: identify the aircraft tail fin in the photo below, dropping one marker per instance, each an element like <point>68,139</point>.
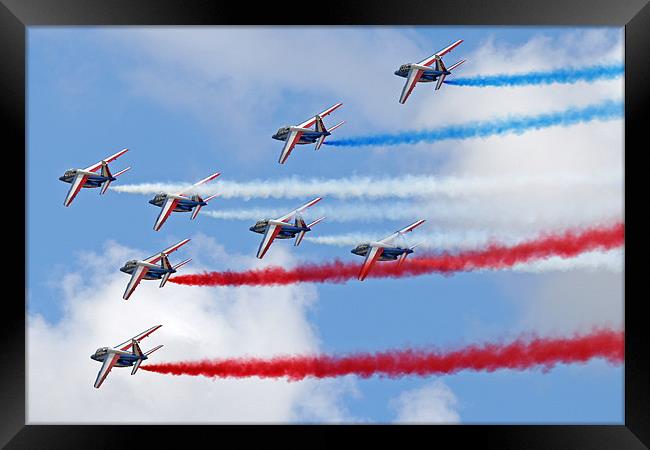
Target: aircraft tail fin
<point>321,139</point>
<point>441,78</point>
<point>165,277</point>
<point>320,126</point>
<point>197,208</point>
<point>301,234</point>
<point>137,351</point>
<point>403,256</point>
<point>107,173</point>
<point>299,222</point>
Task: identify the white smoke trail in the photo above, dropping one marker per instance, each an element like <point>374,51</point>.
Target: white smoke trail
<point>491,215</point>
<point>611,261</point>
<point>374,188</point>
<point>460,240</point>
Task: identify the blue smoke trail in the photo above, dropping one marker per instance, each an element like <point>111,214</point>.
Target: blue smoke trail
<point>565,76</point>
<point>606,110</point>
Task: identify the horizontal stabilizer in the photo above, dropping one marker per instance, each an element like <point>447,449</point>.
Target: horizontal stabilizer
<point>336,126</point>
<point>181,264</point>
<point>195,213</point>
<point>152,350</point>
<point>164,279</point>
<point>316,222</point>
<point>136,366</point>
<point>401,259</point>
<point>456,65</point>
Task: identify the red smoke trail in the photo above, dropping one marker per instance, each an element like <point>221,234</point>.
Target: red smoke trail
<point>519,355</point>
<point>567,244</point>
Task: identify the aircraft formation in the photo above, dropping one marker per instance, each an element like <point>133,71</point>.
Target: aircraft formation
<point>289,226</point>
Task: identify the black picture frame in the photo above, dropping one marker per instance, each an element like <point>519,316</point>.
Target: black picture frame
<point>634,15</point>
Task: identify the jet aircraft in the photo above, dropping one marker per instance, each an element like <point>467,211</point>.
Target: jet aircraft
<point>422,72</point>
<point>303,134</point>
<point>120,356</point>
<point>180,202</point>
<point>281,228</point>
<point>89,178</point>
<point>384,250</point>
<point>148,269</point>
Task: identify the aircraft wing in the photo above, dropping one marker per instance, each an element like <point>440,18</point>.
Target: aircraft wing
<point>165,211</point>
<point>298,210</point>
<point>109,362</point>
<point>428,61</point>
<point>373,255</point>
<point>76,186</point>
<point>272,231</point>
<point>310,122</point>
<point>406,229</point>
<point>126,345</point>
<point>289,144</point>
<point>205,180</point>
<point>411,81</point>
<point>155,258</point>
<point>96,166</point>
<point>136,277</point>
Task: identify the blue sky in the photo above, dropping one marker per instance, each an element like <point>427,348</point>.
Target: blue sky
<point>189,102</point>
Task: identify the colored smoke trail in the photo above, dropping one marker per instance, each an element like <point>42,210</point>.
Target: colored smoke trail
<point>495,256</point>
<point>564,75</point>
<point>606,110</point>
<point>521,354</point>
<point>407,186</point>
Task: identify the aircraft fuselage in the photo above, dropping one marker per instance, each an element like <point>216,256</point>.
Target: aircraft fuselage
<point>389,253</point>
<point>306,137</point>
<point>154,273</point>
<point>125,360</point>
<point>427,77</point>
<point>183,205</point>
<point>286,232</point>
<point>93,181</point>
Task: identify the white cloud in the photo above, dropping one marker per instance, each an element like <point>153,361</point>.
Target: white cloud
<point>431,403</point>
<point>197,323</point>
<point>565,303</point>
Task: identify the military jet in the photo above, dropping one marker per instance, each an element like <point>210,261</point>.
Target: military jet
<point>89,178</point>
<point>281,228</point>
<point>384,250</point>
<point>303,134</point>
<point>120,356</point>
<point>180,202</point>
<point>148,269</point>
<point>422,72</point>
